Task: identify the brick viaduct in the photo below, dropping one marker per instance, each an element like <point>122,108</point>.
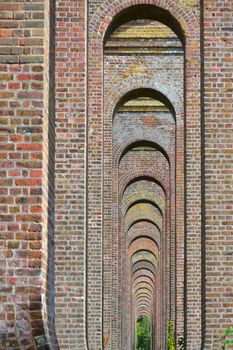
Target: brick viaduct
<point>116,179</point>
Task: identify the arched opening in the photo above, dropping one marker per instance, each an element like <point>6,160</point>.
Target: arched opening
<point>148,12</point>
<point>141,127</point>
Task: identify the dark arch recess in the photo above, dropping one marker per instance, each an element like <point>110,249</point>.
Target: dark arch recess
<point>142,178</point>
<point>143,250</point>
<point>146,286</point>
<point>143,282</point>
<point>140,295</point>
<point>144,143</point>
<point>145,11</point>
<point>145,291</point>
<point>134,280</point>
<point>145,92</point>
<point>142,236</point>
<point>138,264</point>
<point>143,303</point>
<point>144,220</point>
<point>144,201</point>
<point>145,268</point>
<point>141,299</point>
<point>143,288</point>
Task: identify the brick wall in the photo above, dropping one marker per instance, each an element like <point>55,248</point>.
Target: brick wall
<point>70,175</point>
<point>218,60</point>
<point>116,119</point>
<point>26,315</point>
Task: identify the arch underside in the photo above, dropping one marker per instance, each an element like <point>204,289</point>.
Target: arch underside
<point>143,168</point>
<point>141,128</point>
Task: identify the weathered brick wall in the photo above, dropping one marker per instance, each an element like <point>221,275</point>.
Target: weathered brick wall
<point>67,196</point>
<point>218,63</point>
<point>27,315</point>
<point>70,179</point>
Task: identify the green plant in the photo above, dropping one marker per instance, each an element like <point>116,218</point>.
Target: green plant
<point>143,334</point>
<point>181,343</point>
<point>171,344</point>
<point>224,340</point>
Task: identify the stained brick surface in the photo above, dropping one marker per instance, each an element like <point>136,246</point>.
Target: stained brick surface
<point>116,172</point>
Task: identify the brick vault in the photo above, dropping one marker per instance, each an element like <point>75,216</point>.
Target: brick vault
<point>116,173</point>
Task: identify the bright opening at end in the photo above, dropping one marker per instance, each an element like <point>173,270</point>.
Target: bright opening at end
<point>143,333</point>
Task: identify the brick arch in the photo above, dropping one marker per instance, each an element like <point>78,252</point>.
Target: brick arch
<point>142,279</point>
<point>144,285</point>
<point>143,243</point>
<point>145,295</point>
<point>143,229</point>
<point>151,200</point>
<point>144,291</point>
<point>143,312</point>
<point>143,81</point>
<point>136,196</point>
<point>143,237</point>
<point>156,168</point>
<point>143,303</point>
<point>146,92</point>
<point>143,212</point>
<point>139,136</point>
<point>148,219</point>
<point>142,173</point>
<point>144,272</point>
<point>140,302</point>
<point>141,299</point>
<point>143,264</point>
<point>143,307</point>
<point>100,21</point>
<point>141,294</point>
<point>143,255</point>
<point>126,144</point>
<point>181,12</point>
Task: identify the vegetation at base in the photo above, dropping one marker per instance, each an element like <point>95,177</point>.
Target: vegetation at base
<point>143,334</point>
<point>225,341</point>
<point>171,344</point>
<point>181,343</point>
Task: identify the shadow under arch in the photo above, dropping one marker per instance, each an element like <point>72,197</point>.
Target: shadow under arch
<point>135,279</point>
<point>143,272</point>
<point>144,143</point>
<point>141,178</point>
<point>144,291</point>
<point>144,268</point>
<point>144,201</point>
<point>135,221</point>
<point>143,236</point>
<point>145,92</point>
<point>140,265</point>
<point>145,11</point>
<point>143,294</point>
<point>151,247</point>
<point>139,252</point>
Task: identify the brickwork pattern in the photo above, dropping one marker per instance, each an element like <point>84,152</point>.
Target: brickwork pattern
<point>27,320</point>
<point>116,172</point>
